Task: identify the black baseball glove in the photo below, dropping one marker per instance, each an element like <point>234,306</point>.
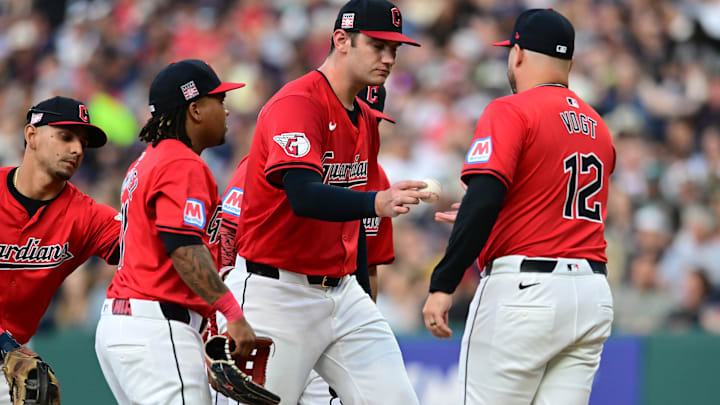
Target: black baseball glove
<point>241,379</point>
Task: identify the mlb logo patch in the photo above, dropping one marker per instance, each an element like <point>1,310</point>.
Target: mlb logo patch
<point>480,151</point>
<point>232,201</point>
<point>189,90</point>
<point>572,102</point>
<point>35,118</point>
<point>348,21</point>
<point>561,49</point>
<point>294,144</point>
<point>194,213</point>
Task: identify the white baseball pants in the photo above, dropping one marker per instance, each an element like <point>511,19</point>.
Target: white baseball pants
<point>4,388</point>
<point>316,392</point>
<point>535,338</point>
<point>336,331</point>
<point>148,359</point>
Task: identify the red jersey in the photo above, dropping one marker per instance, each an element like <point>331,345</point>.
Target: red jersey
<point>304,125</point>
<point>169,188</point>
<point>554,154</point>
<point>231,206</point>
<point>378,230</point>
<point>36,254</point>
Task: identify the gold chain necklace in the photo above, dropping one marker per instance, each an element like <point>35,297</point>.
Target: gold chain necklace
<point>15,177</point>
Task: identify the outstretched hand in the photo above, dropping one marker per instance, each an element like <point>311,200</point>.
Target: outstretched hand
<point>448,216</point>
<point>451,215</point>
<point>392,202</point>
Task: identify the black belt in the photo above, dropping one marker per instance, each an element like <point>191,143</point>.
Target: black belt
<point>176,312</point>
<point>273,272</point>
<point>170,310</point>
<point>548,266</point>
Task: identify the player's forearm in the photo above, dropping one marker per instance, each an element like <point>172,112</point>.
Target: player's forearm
<point>310,198</point>
<point>196,267</point>
<point>477,214</point>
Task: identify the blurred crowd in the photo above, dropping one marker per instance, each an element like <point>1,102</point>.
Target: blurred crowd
<point>650,67</point>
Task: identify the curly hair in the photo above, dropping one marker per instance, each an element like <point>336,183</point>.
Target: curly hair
<point>168,125</point>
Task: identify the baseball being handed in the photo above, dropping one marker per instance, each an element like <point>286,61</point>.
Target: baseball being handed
<point>434,187</point>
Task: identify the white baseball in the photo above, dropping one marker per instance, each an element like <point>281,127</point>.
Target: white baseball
<point>434,187</point>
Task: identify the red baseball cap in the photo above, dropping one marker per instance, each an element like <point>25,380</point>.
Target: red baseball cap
<point>377,19</point>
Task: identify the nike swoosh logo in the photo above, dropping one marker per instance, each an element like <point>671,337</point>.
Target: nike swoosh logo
<point>332,126</point>
<point>524,286</point>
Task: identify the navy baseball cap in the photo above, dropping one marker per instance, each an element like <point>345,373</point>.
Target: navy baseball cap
<point>377,19</point>
<point>545,31</point>
<point>184,81</point>
<point>58,111</point>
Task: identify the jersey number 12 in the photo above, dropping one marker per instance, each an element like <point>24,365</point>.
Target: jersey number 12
<point>576,200</point>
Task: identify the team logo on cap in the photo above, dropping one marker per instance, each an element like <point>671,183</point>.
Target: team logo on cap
<point>348,21</point>
<point>189,90</point>
<point>294,144</point>
<point>194,213</point>
<point>84,114</point>
<point>35,118</point>
<point>480,151</point>
<point>232,201</point>
<point>396,20</point>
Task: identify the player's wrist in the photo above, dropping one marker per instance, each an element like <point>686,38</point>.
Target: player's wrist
<point>7,343</point>
<point>371,199</point>
<point>228,306</point>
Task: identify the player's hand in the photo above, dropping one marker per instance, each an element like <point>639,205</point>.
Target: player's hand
<point>243,335</point>
<point>392,202</point>
<point>448,216</point>
<point>435,313</point>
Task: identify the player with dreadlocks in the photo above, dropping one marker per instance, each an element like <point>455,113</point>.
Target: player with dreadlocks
<point>167,281</point>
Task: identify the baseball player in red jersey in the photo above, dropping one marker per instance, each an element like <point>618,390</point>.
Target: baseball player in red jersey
<point>537,174</point>
<point>47,226</point>
<point>148,338</point>
<point>378,232</point>
<point>298,234</point>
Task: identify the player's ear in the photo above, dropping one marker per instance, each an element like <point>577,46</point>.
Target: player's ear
<point>31,133</point>
<point>194,111</point>
<point>519,55</point>
<point>342,40</point>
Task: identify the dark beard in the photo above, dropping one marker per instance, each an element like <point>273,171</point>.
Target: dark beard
<point>63,175</point>
<point>512,81</point>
